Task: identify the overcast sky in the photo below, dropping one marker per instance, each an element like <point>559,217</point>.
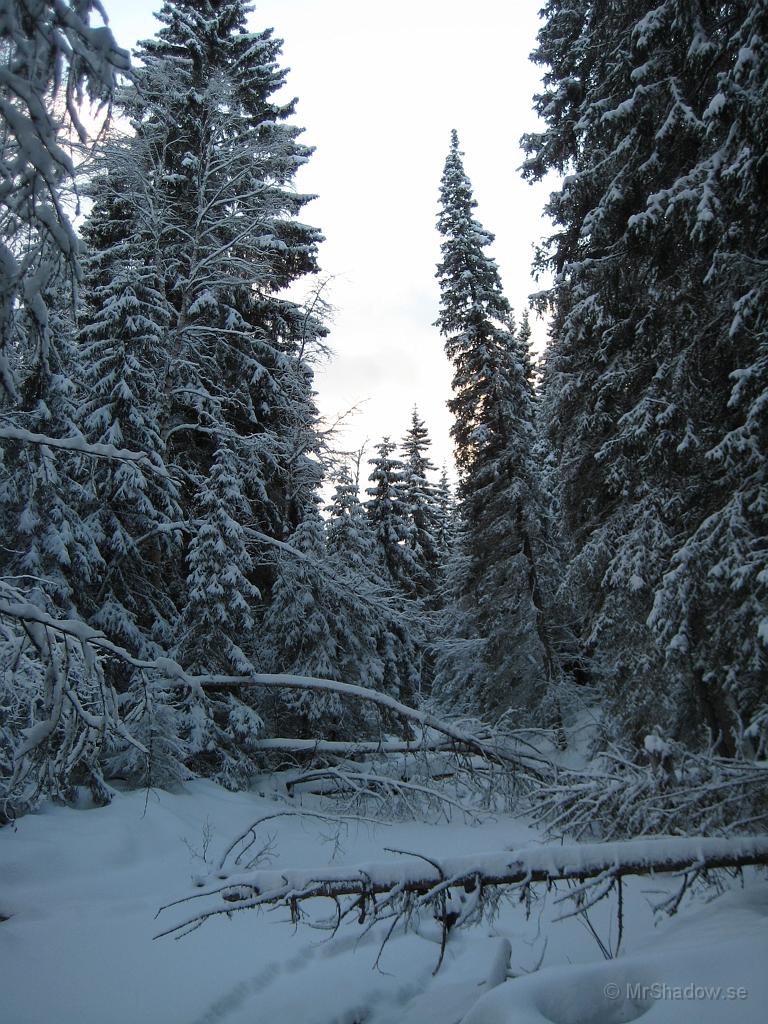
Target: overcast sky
<point>380,86</point>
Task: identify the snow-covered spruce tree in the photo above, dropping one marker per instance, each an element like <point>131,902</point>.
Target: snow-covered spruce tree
<point>349,533</point>
<point>445,521</point>
<point>300,622</point>
<point>321,622</point>
<point>382,632</point>
<point>420,505</point>
<point>56,709</point>
<point>207,175</point>
<point>362,595</point>
<point>388,515</point>
<point>219,606</point>
<point>497,649</point>
<point>656,376</point>
<point>524,340</point>
<point>422,509</point>
<point>136,518</point>
<point>401,639</point>
<point>123,324</point>
<point>220,162</point>
<point>49,538</point>
<point>711,611</point>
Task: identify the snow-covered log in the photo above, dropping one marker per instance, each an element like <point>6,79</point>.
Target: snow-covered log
<point>361,748</point>
<point>401,886</point>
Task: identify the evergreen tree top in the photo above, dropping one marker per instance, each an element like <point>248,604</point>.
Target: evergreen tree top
<point>209,37</point>
<point>345,500</point>
<point>456,196</point>
<point>489,383</point>
<point>470,283</point>
<point>415,446</point>
<point>386,472</point>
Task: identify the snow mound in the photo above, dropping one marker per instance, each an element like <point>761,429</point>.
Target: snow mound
<point>602,994</point>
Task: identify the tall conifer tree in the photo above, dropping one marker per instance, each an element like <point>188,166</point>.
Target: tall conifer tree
<point>656,374</point>
<point>207,176</point>
<point>420,505</point>
<point>137,518</point>
<point>497,652</point>
<point>195,227</point>
<point>445,520</point>
<point>400,638</point>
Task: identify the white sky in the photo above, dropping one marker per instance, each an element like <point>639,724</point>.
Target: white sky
<point>380,86</point>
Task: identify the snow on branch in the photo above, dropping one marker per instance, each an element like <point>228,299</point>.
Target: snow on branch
<point>675,788</point>
<point>169,674</point>
<point>530,762</point>
<point>400,887</point>
<point>76,705</point>
<point>359,748</point>
<point>384,789</point>
<point>77,443</point>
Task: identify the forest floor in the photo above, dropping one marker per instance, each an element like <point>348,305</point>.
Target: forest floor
<point>80,890</point>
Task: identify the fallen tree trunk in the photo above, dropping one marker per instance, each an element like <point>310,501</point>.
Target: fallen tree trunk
<point>339,748</point>
<point>387,888</point>
<point>531,762</point>
<point>168,674</point>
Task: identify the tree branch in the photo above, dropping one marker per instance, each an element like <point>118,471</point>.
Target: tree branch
<point>171,675</point>
<point>77,443</point>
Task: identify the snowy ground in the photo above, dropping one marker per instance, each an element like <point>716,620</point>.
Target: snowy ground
<point>80,890</point>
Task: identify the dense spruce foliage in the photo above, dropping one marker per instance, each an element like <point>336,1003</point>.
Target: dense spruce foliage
<point>498,649</point>
<point>655,395</point>
<point>55,706</point>
<point>206,175</point>
<point>194,536</point>
<point>161,461</point>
